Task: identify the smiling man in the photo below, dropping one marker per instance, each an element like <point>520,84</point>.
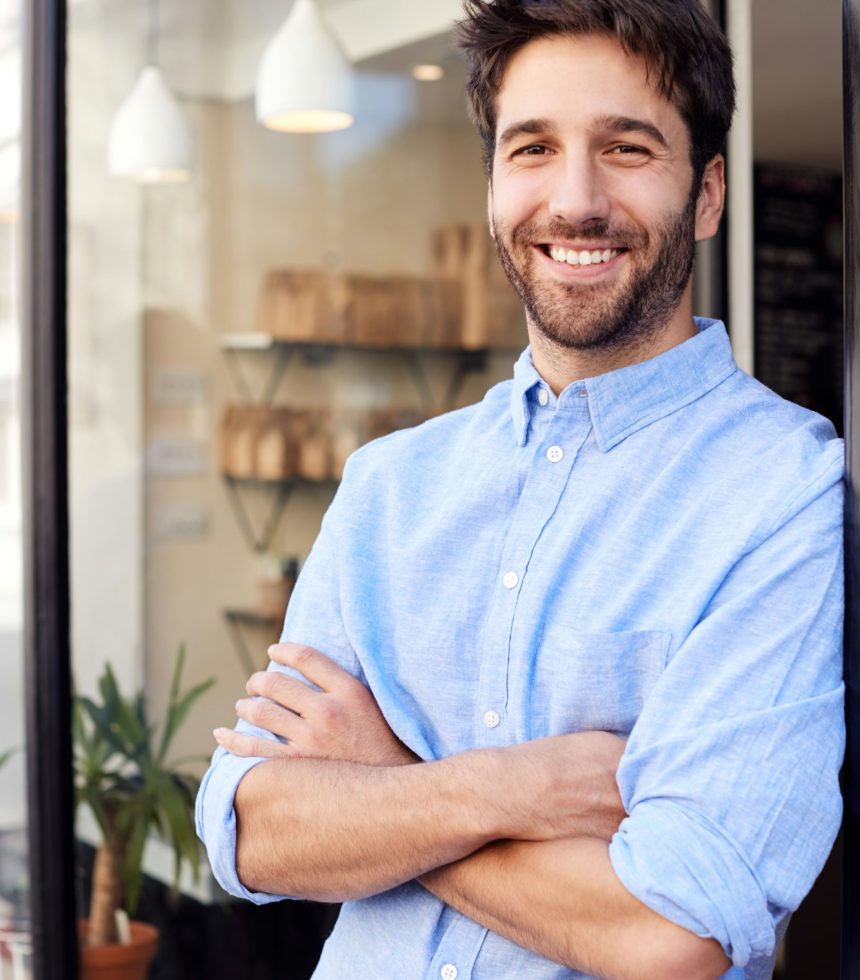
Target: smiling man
<point>559,689</point>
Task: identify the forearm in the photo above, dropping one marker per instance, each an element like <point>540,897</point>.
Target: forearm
<point>338,830</point>
<point>333,831</point>
<point>562,900</point>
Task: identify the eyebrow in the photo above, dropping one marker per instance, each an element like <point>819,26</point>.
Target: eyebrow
<point>612,124</point>
<point>529,127</point>
<point>626,124</point>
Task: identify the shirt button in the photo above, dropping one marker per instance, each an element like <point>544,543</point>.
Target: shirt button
<point>555,454</point>
<point>543,397</point>
<point>448,972</point>
<point>491,719</point>
<point>511,580</point>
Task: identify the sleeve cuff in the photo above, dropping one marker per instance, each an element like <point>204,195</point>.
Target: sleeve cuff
<point>216,822</point>
<point>679,864</point>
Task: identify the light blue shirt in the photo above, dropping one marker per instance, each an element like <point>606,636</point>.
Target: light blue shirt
<point>658,553</point>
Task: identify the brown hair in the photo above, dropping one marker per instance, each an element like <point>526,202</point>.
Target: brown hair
<point>685,51</point>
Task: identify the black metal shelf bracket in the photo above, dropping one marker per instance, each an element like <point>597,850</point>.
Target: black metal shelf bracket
<point>236,619</point>
<point>283,356</point>
<point>280,493</point>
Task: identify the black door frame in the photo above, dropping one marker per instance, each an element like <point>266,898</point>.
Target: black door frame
<point>851,772</point>
<point>45,492</point>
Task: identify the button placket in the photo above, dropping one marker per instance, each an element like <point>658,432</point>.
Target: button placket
<point>543,486</point>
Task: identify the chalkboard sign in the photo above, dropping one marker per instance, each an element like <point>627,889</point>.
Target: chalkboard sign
<point>798,286</point>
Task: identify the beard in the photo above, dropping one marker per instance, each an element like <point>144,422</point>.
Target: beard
<point>604,316</point>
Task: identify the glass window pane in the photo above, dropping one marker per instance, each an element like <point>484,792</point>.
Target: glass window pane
<point>234,336</point>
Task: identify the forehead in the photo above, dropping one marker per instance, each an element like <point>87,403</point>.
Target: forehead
<point>571,79</point>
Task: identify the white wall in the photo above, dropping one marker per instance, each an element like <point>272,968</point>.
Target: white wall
<point>105,371</point>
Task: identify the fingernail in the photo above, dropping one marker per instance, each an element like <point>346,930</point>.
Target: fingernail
<point>239,704</point>
<point>219,733</point>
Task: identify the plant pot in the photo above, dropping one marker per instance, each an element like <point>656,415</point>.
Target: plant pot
<point>119,961</point>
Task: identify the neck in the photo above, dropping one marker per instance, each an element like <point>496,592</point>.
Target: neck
<point>560,366</point>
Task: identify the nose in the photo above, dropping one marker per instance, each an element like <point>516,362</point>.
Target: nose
<point>579,194</point>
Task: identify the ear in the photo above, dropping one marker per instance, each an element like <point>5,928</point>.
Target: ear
<point>712,199</point>
<point>490,209</point>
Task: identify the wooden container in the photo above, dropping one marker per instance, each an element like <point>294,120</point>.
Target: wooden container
<point>240,432</point>
<point>492,313</point>
<point>348,433</point>
<point>446,313</point>
<point>313,437</point>
<point>304,306</point>
<point>276,450</point>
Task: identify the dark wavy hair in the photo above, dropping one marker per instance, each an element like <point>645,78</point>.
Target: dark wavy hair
<point>686,53</point>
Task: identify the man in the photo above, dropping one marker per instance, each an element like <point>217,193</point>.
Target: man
<point>559,693</point>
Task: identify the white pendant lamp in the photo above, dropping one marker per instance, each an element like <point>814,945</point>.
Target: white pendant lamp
<point>149,140</point>
<point>304,82</point>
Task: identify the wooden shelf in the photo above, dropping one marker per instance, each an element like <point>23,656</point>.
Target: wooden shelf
<point>316,353</point>
<point>249,341</point>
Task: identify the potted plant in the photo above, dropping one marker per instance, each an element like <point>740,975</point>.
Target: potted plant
<point>123,774</point>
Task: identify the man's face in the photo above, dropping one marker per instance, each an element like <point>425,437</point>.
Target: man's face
<point>590,198</point>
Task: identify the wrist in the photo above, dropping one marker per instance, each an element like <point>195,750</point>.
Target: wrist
<point>488,780</point>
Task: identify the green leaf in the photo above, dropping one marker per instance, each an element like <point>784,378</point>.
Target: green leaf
<point>129,787</point>
<point>133,862</point>
<point>178,713</point>
<point>177,805</point>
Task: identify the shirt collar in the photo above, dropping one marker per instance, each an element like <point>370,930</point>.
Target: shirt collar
<point>623,401</point>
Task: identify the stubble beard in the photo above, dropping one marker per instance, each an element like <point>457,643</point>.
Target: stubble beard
<point>604,317</point>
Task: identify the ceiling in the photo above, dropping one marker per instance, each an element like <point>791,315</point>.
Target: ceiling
<point>210,49</point>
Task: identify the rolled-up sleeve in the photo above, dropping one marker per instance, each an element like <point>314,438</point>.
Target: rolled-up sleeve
<point>730,777</point>
<point>216,821</point>
<point>313,618</point>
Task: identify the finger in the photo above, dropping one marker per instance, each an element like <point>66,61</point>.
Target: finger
<point>249,746</point>
<point>316,666</point>
<point>282,689</point>
<point>266,714</point>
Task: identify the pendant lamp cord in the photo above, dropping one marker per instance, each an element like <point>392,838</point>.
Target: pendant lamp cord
<point>152,34</point>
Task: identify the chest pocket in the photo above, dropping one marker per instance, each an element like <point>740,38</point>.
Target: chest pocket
<point>593,681</point>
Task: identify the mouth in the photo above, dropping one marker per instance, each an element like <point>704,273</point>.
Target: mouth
<point>596,255</point>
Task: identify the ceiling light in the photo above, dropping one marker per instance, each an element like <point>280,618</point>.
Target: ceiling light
<point>149,139</point>
<point>304,82</point>
<point>428,73</point>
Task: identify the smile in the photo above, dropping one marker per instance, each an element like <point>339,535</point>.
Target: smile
<point>582,256</point>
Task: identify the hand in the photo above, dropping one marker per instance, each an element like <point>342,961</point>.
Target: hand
<point>336,718</point>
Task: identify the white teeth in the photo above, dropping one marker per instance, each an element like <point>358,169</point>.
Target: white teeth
<point>572,257</point>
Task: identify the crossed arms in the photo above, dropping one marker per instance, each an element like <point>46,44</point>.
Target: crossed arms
<point>514,838</point>
<point>729,778</point>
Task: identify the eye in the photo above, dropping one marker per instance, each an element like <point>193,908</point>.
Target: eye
<point>629,149</point>
<point>532,150</point>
